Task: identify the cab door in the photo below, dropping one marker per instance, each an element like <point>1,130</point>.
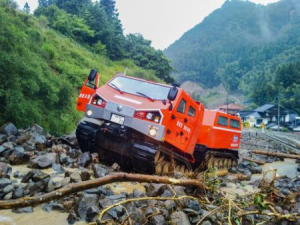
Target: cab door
<point>182,126</point>
<point>175,131</point>
<point>89,87</point>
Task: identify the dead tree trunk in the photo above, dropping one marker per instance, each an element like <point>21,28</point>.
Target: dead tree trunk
<point>280,155</point>
<point>77,187</point>
<point>255,161</point>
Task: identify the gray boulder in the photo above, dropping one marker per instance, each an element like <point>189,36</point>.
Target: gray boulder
<point>85,202</point>
<point>9,129</point>
<point>179,218</point>
<point>4,182</point>
<point>99,171</point>
<point>154,190</point>
<point>5,170</point>
<point>85,159</point>
<point>43,161</point>
<point>158,220</point>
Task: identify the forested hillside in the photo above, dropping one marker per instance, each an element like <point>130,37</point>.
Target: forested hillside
<point>242,45</point>
<point>44,60</point>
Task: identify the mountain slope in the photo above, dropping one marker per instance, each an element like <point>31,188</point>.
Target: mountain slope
<point>40,70</point>
<point>237,40</point>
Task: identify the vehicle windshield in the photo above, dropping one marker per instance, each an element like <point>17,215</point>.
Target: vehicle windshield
<point>140,88</point>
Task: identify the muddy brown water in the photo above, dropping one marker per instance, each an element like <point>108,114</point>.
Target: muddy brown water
<point>288,168</point>
<point>41,217</point>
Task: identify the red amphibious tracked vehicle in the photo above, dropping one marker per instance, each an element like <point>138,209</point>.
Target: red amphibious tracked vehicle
<point>154,128</point>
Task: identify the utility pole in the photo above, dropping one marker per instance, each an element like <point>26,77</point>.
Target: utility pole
<point>278,98</point>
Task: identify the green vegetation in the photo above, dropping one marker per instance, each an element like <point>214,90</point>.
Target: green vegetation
<point>95,24</point>
<point>242,45</point>
<point>41,69</point>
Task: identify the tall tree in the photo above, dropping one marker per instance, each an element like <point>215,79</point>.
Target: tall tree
<point>26,8</point>
<point>109,7</point>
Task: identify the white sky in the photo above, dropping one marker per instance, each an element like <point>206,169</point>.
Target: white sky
<point>161,21</point>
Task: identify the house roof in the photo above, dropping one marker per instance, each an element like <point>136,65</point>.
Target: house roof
<point>245,114</point>
<point>231,106</point>
<point>264,107</point>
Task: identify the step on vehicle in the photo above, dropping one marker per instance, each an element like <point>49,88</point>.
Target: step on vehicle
<point>154,128</point>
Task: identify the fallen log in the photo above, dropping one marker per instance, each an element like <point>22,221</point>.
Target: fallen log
<point>222,173</point>
<point>280,155</point>
<point>255,161</point>
<point>77,187</point>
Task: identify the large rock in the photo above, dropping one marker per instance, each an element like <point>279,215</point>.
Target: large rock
<point>154,190</point>
<point>4,182</point>
<point>179,218</point>
<point>9,129</point>
<point>43,161</point>
<point>99,171</point>
<point>75,177</point>
<point>2,149</point>
<point>18,193</point>
<point>5,170</point>
<point>35,175</point>
<point>2,138</point>
<point>37,135</point>
<point>8,145</point>
<point>18,157</point>
<point>91,213</point>
<point>85,202</point>
<point>158,220</point>
<point>85,159</point>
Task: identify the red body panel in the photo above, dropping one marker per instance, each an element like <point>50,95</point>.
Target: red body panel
<point>214,135</point>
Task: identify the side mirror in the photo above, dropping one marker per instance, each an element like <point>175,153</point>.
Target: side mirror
<point>92,75</point>
<point>172,93</point>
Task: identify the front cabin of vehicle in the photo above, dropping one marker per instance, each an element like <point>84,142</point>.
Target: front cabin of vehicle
<point>161,112</point>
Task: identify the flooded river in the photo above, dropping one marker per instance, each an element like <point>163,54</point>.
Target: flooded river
<point>288,168</point>
<point>38,217</point>
<point>41,217</point>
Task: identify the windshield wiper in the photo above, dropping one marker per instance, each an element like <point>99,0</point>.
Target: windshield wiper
<point>116,87</point>
<point>144,95</point>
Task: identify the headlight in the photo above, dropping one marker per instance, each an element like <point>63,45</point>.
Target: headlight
<point>152,131</point>
<point>89,112</point>
<point>149,116</point>
<point>99,102</point>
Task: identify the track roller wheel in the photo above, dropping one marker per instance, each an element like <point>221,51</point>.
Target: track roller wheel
<point>182,169</point>
<point>221,162</point>
<point>166,168</point>
<point>225,163</point>
<point>158,168</point>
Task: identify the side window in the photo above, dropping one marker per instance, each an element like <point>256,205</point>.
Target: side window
<point>181,107</point>
<point>235,123</point>
<point>192,111</point>
<point>223,121</point>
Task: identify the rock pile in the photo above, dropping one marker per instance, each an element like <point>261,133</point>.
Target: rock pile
<point>54,162</point>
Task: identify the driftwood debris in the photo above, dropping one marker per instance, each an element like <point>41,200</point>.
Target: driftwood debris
<point>280,155</point>
<point>77,187</point>
<point>255,161</point>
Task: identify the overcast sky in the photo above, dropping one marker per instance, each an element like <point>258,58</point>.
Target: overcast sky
<point>161,21</point>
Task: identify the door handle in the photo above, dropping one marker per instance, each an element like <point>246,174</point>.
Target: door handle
<point>185,120</point>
